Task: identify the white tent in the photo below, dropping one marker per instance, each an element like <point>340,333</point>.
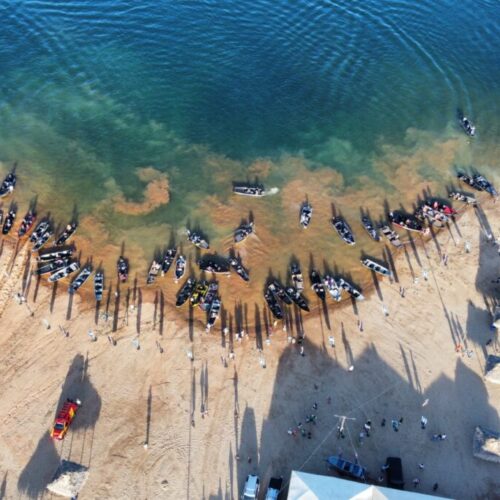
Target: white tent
<point>304,486</point>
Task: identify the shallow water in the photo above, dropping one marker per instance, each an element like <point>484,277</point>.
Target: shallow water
<point>346,102</point>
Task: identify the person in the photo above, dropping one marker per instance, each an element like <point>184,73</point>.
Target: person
<point>416,482</point>
<point>331,341</point>
<point>435,487</point>
<point>421,466</point>
<point>315,406</point>
<point>395,425</point>
<point>367,427</point>
<point>423,422</point>
<point>382,424</point>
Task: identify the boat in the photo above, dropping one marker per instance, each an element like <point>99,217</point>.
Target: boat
<point>273,303</point>
<point>297,278</point>
<point>27,223</point>
<point>378,268</point>
<point>333,288</point>
<point>370,227</point>
<point>122,269</point>
<point>42,240</point>
<point>317,284</point>
<point>197,240</point>
<point>40,230</point>
<point>168,259</point>
<point>214,312</point>
<point>185,292</point>
<point>346,468</point>
<point>243,232</point>
<point>392,236</point>
<point>65,271</point>
<point>180,267</point>
<point>80,279</point>
<point>466,124</point>
<point>199,292</point>
<point>51,267</point>
<point>255,190</point>
<point>98,285</point>
<point>344,230</point>
<point>478,182</point>
<point>55,253</point>
<point>8,184</point>
<point>66,234</point>
<point>297,297</point>
<point>153,272</point>
<point>465,198</point>
<point>211,266</point>
<point>240,269</point>
<point>9,221</point>
<point>350,289</point>
<point>406,221</point>
<point>213,288</point>
<point>306,211</point>
<point>280,292</point>
<point>1,215</point>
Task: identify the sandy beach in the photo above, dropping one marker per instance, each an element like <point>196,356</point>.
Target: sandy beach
<point>210,421</point>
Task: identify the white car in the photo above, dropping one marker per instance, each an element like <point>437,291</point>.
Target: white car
<point>251,490</point>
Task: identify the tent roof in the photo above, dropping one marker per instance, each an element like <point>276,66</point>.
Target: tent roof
<point>304,486</point>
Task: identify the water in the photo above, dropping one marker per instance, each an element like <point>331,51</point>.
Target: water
<point>352,102</point>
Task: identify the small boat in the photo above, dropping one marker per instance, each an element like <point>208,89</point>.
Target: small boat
<point>65,271</point>
<point>211,266</point>
<point>346,468</point>
<point>180,267</point>
<point>466,124</point>
<point>350,289</point>
<point>185,292</point>
<point>280,292</point>
<point>273,303</point>
<point>168,260</point>
<point>27,223</point>
<point>40,230</point>
<point>9,221</point>
<point>297,278</point>
<point>297,297</point>
<point>344,230</point>
<point>240,269</point>
<point>243,232</point>
<point>98,285</point>
<point>51,267</point>
<point>373,266</point>
<point>42,240</point>
<point>478,182</point>
<point>255,190</point>
<point>392,236</point>
<point>199,292</point>
<point>465,198</point>
<point>405,221</point>
<point>81,278</point>
<point>370,227</point>
<point>153,272</point>
<point>333,288</point>
<point>213,288</point>
<point>306,211</point>
<point>66,234</point>
<point>213,313</point>
<point>122,269</point>
<point>55,253</point>
<point>317,284</point>
<point>197,240</point>
<point>8,184</point>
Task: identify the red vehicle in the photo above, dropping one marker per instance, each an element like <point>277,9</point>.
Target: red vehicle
<point>64,418</point>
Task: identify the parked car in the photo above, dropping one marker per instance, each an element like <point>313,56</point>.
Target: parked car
<point>274,488</point>
<point>251,490</point>
<point>395,473</point>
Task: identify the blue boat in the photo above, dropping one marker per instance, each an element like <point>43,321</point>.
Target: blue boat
<point>345,468</point>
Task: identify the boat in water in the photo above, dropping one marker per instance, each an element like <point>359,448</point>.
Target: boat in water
<point>346,468</point>
<point>122,269</point>
<point>243,232</point>
<point>377,268</point>
<point>240,269</point>
<point>297,298</point>
<point>80,279</point>
<point>406,221</point>
<point>168,260</point>
<point>154,269</point>
<point>69,230</point>
<point>213,266</point>
<point>254,190</point>
<point>51,267</point>
<point>214,312</point>
<point>370,228</point>
<point>64,272</point>
<point>344,230</point>
<point>297,278</point>
<point>27,223</point>
<point>212,292</point>
<point>277,288</point>
<point>55,253</point>
<point>306,212</point>
<point>273,303</point>
<point>185,292</point>
<point>98,285</point>
<point>8,184</point>
<point>40,242</point>
<point>199,293</point>
<point>9,221</point>
<point>466,124</point>
<point>463,197</point>
<point>333,288</point>
<point>478,182</point>
<point>180,267</point>
<point>197,240</point>
<point>350,289</point>
<point>392,236</point>
<point>317,284</point>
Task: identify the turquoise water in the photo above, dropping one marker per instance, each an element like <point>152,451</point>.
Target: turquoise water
<point>90,91</point>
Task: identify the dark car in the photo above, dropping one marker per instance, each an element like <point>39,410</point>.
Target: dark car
<point>395,473</point>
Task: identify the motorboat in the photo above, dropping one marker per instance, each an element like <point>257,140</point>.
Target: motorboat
<point>9,221</point>
<point>197,240</point>
<point>466,125</point>
<point>27,223</point>
<point>392,236</point>
<point>317,284</point>
<point>344,230</point>
<point>98,285</point>
<point>64,272</point>
<point>478,182</point>
<point>214,312</point>
<point>297,278</point>
<point>465,198</point>
<point>40,242</point>
<point>80,279</point>
<point>370,227</point>
<point>333,288</point>
<point>122,269</point>
<point>346,468</point>
<point>406,221</point>
<point>185,292</point>
<point>153,272</point>
<point>8,184</point>
<point>55,253</point>
<point>212,292</point>
<point>42,227</point>
<point>273,303</point>
<point>180,267</point>
<point>297,297</point>
<point>240,269</point>
<point>350,289</point>
<point>51,267</point>
<point>280,292</point>
<point>375,267</point>
<point>212,266</point>
<point>168,260</point>
<point>199,292</point>
<point>306,211</point>
<point>69,230</point>
<point>243,232</point>
<point>254,190</point>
